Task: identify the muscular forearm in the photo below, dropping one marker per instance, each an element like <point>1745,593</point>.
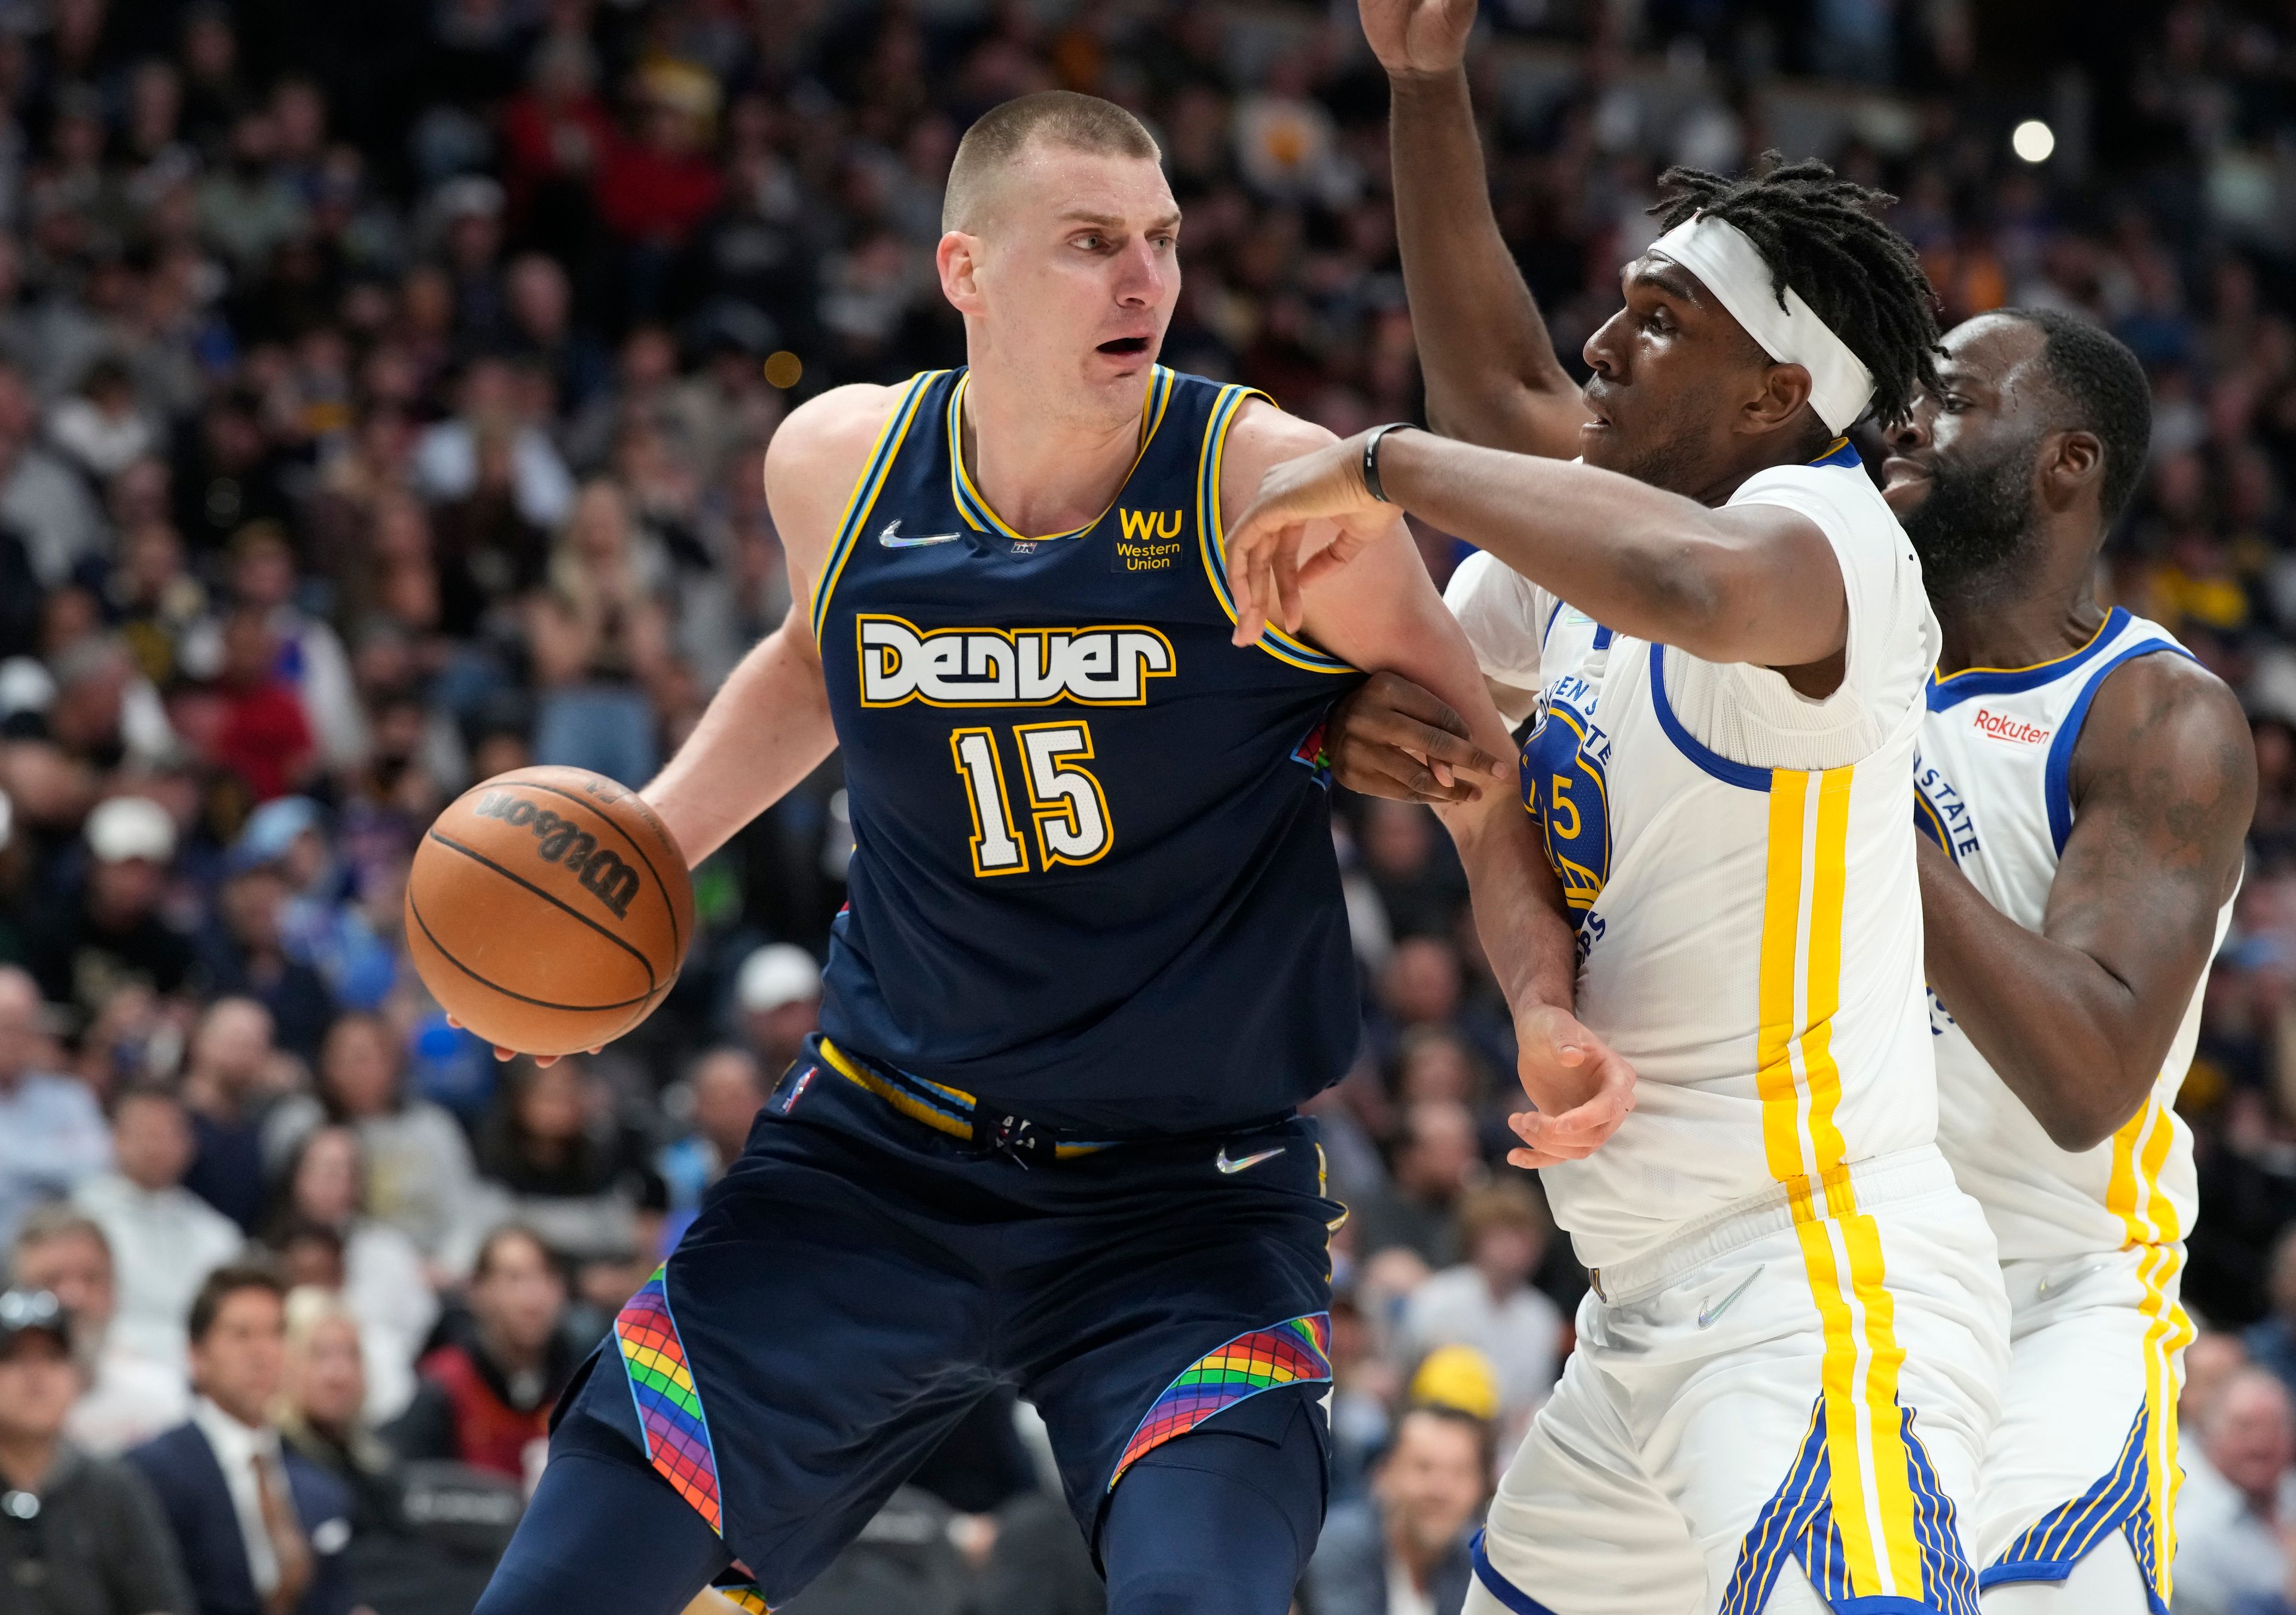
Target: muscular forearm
<point>766,729</point>
<point>1490,367</point>
<point>1518,906</point>
<point>2068,1037</point>
<point>1646,562</point>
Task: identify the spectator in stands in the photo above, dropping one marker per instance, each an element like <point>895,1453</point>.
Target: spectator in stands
<point>112,935</point>
<point>1435,1163</point>
<point>487,1393</point>
<point>84,1536</point>
<point>127,1395</point>
<point>165,1239</point>
<point>262,1530</point>
<point>2210,1362</point>
<point>572,1175</point>
<point>2272,1343</point>
<point>51,1134</point>
<point>42,499</point>
<point>2236,1502</point>
<point>318,924</point>
<point>420,1176</point>
<point>600,638</point>
<point>725,1093</point>
<point>1488,1301</point>
<point>1403,1551</point>
<point>246,954</point>
<point>235,1090</point>
<point>324,1398</point>
<point>382,1280</point>
<point>778,993</point>
<point>446,465</point>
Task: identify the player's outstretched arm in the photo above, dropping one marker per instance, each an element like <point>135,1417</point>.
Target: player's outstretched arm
<point>768,727</point>
<point>2078,1020</point>
<point>1753,583</point>
<point>1384,612</point>
<point>1491,371</point>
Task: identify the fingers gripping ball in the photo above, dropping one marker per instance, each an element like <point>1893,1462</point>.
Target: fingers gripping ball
<point>549,910</point>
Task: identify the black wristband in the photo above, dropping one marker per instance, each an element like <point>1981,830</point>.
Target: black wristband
<point>1370,459</point>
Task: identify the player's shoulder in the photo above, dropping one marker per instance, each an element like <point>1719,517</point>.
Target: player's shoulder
<point>2166,697</point>
<point>818,455</point>
<point>841,423</point>
<point>2166,723</point>
<point>1835,484</point>
<point>1264,434</point>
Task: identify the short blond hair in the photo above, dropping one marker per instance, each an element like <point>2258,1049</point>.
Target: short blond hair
<point>1059,117</point>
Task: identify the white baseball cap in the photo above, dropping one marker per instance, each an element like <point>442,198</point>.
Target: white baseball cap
<point>776,975</point>
<point>131,827</point>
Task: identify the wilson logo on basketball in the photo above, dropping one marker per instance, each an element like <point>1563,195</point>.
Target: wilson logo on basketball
<point>603,873</point>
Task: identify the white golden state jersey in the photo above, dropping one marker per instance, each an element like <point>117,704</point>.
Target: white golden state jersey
<point>1750,933</point>
<point>1996,759</point>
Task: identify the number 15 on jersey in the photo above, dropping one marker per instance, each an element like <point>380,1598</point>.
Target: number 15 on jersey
<point>1066,804</point>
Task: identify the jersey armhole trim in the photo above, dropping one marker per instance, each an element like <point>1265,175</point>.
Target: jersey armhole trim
<point>2057,781</point>
<point>866,489</point>
<point>1745,776</point>
<point>1211,538</point>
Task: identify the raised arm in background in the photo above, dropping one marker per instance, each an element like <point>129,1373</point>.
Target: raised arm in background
<point>1490,368</point>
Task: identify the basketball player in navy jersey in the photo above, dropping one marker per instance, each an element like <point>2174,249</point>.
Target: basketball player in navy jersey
<point>1095,956</point>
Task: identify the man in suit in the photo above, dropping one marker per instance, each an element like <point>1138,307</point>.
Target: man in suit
<point>262,1529</point>
<point>1403,1550</point>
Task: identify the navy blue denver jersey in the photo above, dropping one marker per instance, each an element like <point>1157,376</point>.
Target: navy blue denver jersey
<point>1093,879</point>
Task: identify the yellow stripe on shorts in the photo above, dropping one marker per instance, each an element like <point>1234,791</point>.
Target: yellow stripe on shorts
<point>1800,1089</point>
<point>2150,1224</point>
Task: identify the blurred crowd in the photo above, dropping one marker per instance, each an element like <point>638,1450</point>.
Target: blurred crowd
<point>383,393</point>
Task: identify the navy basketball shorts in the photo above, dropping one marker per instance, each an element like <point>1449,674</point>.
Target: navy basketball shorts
<point>867,1272</point>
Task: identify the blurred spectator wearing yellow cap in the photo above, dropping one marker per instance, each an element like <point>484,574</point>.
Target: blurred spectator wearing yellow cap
<point>1488,1301</point>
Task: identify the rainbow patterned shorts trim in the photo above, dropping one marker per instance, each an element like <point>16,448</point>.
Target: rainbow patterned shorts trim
<point>669,1407</point>
<point>1295,1352</point>
<point>743,1595</point>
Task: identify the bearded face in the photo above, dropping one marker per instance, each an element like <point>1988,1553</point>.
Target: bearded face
<point>1973,524</point>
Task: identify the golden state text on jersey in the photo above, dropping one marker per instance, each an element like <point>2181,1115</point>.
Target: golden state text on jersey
<point>1093,877</point>
<point>1566,787</point>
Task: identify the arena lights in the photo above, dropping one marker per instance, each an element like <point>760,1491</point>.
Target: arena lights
<point>2033,140</point>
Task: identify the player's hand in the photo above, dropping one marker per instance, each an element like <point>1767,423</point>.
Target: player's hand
<point>1581,1087</point>
<point>1263,544</point>
<point>1418,36</point>
<point>1391,738</point>
<point>503,1054</point>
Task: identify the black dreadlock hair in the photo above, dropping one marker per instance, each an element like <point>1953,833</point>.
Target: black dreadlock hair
<point>1817,232</point>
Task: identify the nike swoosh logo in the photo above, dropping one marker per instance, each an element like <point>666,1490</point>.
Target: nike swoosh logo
<point>2068,1280</point>
<point>1707,1314</point>
<point>1226,1165</point>
<point>890,541</point>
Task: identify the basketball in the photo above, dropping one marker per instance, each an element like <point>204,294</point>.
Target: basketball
<point>548,910</point>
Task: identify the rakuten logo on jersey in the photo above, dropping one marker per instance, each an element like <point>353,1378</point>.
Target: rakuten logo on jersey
<point>2001,726</point>
<point>1099,666</point>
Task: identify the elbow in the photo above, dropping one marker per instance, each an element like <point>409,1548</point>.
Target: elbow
<point>2074,1132</point>
<point>2087,1110</point>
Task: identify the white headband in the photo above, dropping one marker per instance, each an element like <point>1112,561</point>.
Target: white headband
<point>1731,268</point>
